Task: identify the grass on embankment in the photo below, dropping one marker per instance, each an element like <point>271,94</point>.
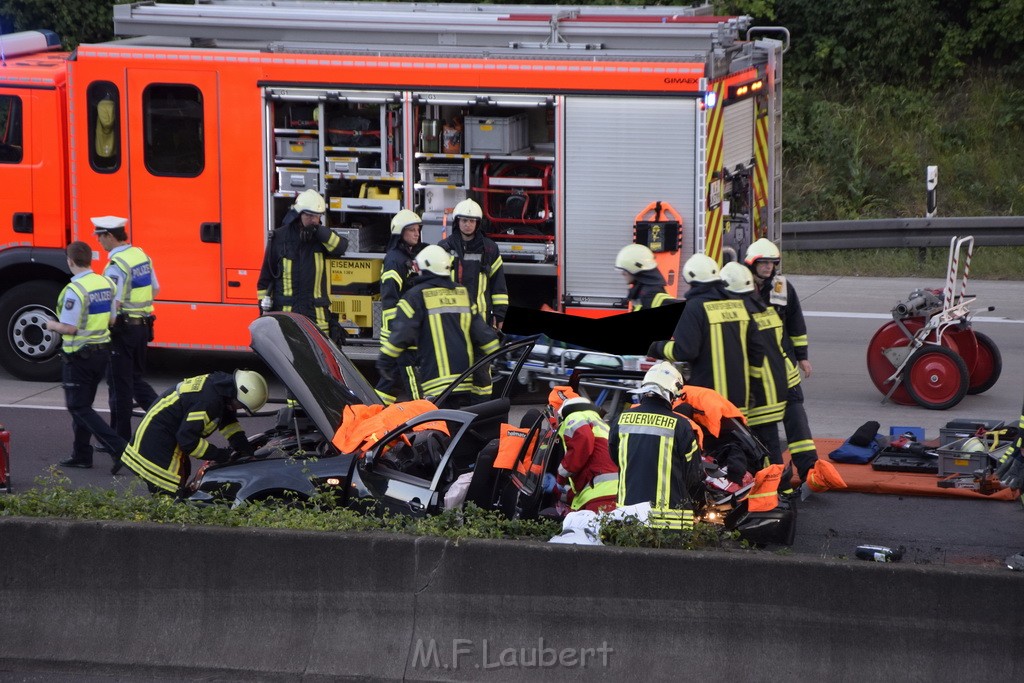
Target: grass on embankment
<point>987,263</point>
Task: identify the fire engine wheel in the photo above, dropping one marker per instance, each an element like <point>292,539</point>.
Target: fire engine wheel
<point>988,367</point>
<point>879,368</point>
<point>936,377</point>
<point>29,351</point>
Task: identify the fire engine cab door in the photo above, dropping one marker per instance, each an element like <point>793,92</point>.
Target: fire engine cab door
<point>16,162</point>
<point>174,138</point>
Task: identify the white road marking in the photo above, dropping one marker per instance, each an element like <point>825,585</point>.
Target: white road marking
<point>28,405</point>
<point>886,316</point>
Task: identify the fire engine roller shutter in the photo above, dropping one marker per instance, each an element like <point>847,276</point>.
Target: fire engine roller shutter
<point>738,145</point>
<point>621,154</point>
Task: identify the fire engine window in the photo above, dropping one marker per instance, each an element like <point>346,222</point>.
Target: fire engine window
<point>10,130</point>
<point>173,130</point>
<point>104,104</point>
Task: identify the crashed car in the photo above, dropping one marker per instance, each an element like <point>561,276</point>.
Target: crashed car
<point>409,469</point>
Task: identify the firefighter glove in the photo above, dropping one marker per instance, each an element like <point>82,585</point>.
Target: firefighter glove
<point>241,446</point>
<point>1011,468</point>
<point>386,369</point>
<point>307,233</point>
<point>265,304</point>
<point>657,349</point>
<point>219,455</point>
<point>549,482</point>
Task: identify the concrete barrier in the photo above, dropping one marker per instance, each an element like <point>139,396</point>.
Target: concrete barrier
<point>282,605</point>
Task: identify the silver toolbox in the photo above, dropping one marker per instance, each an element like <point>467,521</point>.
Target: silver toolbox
<point>297,148</point>
<point>343,164</point>
<point>365,205</point>
<point>361,239</point>
<point>297,178</point>
<point>442,174</point>
<point>496,134</point>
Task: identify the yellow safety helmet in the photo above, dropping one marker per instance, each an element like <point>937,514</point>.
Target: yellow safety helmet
<point>250,390</point>
<point>634,258</point>
<point>468,208</point>
<point>737,278</point>
<point>762,250</point>
<point>701,268</point>
<point>310,201</point>
<point>403,219</point>
<point>434,259</point>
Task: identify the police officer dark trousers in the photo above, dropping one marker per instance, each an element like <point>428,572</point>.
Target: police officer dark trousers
<point>135,283</point>
<point>84,307</point>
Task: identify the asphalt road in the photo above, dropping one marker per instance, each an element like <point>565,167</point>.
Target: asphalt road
<point>842,315</point>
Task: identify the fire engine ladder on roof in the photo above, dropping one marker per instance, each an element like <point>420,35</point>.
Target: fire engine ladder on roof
<point>774,50</point>
<point>448,28</point>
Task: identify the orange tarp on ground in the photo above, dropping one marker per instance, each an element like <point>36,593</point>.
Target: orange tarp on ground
<point>864,479</point>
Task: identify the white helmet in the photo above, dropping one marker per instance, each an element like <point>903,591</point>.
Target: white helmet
<point>568,403</point>
<point>633,258</point>
<point>403,219</point>
<point>250,390</point>
<point>435,260</point>
<point>700,268</point>
<point>664,379</point>
<point>737,278</point>
<point>762,250</point>
<point>467,208</point>
<point>310,201</point>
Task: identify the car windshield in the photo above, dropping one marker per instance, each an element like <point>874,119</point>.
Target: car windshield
<point>317,374</point>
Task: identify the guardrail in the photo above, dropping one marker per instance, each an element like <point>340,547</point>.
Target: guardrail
<point>988,231</point>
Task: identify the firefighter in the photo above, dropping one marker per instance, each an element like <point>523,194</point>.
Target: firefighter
<point>659,460</point>
<point>714,335</point>
<point>646,283</point>
<point>586,467</point>
<point>135,283</point>
<point>176,427</point>
<point>435,315</point>
<point>477,263</point>
<point>85,309</point>
<point>399,268</point>
<point>294,272</point>
<point>770,381</point>
<point>763,257</point>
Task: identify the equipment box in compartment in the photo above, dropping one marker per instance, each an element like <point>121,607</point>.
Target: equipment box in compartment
<point>442,174</point>
<point>496,134</point>
<point>961,457</point>
<point>342,164</point>
<point>362,239</point>
<point>956,430</point>
<point>297,179</point>
<point>355,276</point>
<point>297,148</point>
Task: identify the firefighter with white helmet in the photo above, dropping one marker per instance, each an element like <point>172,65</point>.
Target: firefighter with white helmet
<point>176,427</point>
<point>646,283</point>
<point>477,263</point>
<point>398,270</point>
<point>659,460</point>
<point>714,334</point>
<point>294,272</point>
<point>775,290</point>
<point>435,315</point>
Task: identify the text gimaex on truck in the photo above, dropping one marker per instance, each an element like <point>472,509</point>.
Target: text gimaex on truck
<point>563,146</point>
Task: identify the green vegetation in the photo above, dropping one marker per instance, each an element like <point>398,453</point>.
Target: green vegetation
<point>988,263</point>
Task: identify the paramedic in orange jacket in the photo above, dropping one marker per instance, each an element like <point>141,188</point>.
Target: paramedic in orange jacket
<point>587,466</point>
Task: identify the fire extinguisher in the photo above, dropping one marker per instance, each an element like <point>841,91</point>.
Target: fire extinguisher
<point>5,458</point>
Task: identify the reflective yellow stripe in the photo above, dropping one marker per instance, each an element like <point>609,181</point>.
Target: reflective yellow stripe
<point>801,446</point>
<point>605,488</point>
<point>623,462</point>
<point>286,276</point>
<point>661,496</point>
<point>318,270</point>
<point>800,340</point>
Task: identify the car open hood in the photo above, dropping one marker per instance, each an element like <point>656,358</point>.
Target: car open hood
<point>318,375</point>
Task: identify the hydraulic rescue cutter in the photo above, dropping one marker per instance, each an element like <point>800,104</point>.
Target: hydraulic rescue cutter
<point>930,354</point>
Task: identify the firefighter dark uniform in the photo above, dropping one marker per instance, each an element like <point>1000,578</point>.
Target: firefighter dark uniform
<point>294,272</point>
<point>716,337</point>
<point>436,316</point>
<point>658,462</point>
<point>396,276</point>
<point>176,427</point>
<point>779,293</point>
<point>478,267</point>
<point>587,466</point>
<point>131,271</point>
<point>770,381</point>
<point>648,291</point>
<point>86,303</point>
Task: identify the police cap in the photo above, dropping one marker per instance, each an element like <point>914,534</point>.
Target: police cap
<point>104,224</point>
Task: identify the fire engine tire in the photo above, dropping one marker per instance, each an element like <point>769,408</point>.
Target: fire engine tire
<point>936,377</point>
<point>28,351</point>
<point>987,368</point>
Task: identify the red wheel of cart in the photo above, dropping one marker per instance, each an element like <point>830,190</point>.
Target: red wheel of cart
<point>966,345</point>
<point>936,377</point>
<point>987,367</point>
<point>880,368</point>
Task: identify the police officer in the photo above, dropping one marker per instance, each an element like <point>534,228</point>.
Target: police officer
<point>646,283</point>
<point>714,335</point>
<point>294,272</point>
<point>659,460</point>
<point>399,268</point>
<point>771,379</point>
<point>135,283</point>
<point>587,467</point>
<point>763,257</point>
<point>177,425</point>
<point>477,263</point>
<point>85,309</point>
<point>437,316</point>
